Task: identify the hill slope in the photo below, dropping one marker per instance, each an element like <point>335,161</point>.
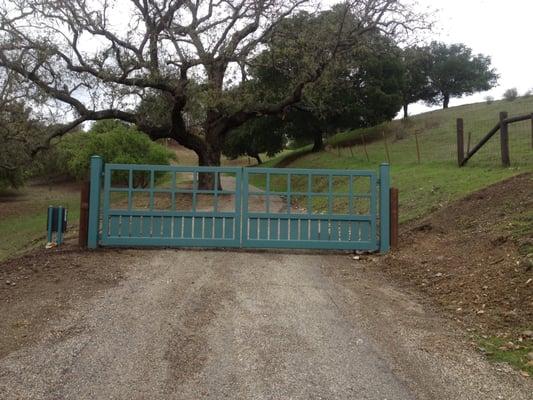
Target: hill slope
<point>435,180</point>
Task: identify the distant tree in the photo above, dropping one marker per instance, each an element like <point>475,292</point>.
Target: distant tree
<point>19,130</point>
<point>361,88</point>
<point>489,100</point>
<point>415,83</point>
<point>511,94</point>
<point>456,72</point>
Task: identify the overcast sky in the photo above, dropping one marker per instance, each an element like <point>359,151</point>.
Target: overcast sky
<point>502,29</point>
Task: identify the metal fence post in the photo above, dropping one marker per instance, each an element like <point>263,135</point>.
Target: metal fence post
<point>384,208</point>
<point>94,201</point>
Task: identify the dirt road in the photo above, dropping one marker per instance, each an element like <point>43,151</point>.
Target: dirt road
<point>241,325</point>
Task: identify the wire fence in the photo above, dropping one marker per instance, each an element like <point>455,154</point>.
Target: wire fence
<point>432,137</point>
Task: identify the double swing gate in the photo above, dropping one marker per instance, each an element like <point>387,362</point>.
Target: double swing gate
<point>152,205</point>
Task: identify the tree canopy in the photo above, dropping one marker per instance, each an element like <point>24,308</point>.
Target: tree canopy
<point>98,60</point>
<point>455,72</point>
<point>360,88</point>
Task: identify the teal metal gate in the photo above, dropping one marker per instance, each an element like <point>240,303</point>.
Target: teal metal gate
<point>152,205</point>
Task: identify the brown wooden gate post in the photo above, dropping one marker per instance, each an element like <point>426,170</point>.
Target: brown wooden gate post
<point>394,217</point>
<point>504,139</point>
<point>460,142</point>
<point>84,215</point>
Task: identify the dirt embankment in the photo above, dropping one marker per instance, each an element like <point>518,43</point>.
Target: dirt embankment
<point>471,257</point>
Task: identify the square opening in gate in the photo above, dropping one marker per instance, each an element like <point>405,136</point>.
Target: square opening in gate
<point>320,183</point>
<point>184,181</point>
<point>341,184</point>
<point>258,203</point>
<point>299,204</point>
<point>163,201</point>
<point>141,179</point>
<point>256,181</point>
<point>163,179</point>
<point>361,205</point>
<point>140,200</point>
<point>341,205</point>
<point>299,183</point>
<point>118,200</point>
<point>205,202</point>
<point>319,204</point>
<point>119,178</point>
<point>278,183</point>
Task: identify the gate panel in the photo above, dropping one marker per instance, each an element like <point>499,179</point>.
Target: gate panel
<point>340,212</point>
<point>148,205</point>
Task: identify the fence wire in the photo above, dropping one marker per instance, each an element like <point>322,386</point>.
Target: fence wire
<point>432,137</point>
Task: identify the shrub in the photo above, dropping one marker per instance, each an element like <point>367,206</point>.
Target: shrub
<point>114,141</point>
<point>510,94</point>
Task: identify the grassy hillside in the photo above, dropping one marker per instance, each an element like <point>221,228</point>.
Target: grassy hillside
<point>436,179</point>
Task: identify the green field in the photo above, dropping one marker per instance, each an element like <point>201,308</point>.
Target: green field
<point>23,215</point>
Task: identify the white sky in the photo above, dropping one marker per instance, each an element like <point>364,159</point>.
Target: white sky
<point>502,29</point>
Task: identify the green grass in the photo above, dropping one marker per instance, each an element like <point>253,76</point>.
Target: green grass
<point>24,227</point>
<point>436,135</point>
<point>436,180</point>
<point>498,350</point>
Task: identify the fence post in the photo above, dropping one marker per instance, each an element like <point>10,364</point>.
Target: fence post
<point>504,139</point>
<point>94,201</point>
<point>532,131</point>
<point>384,208</point>
<point>84,214</point>
<point>394,217</point>
<point>460,142</point>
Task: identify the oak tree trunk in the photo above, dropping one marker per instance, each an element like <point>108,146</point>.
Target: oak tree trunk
<point>318,142</point>
<point>446,101</point>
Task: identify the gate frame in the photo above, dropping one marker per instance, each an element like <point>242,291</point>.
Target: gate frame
<point>382,214</point>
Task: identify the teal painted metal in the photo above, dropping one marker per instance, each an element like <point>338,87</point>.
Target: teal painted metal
<point>150,205</point>
<point>170,210</point>
<point>49,234</point>
<point>94,201</point>
<point>324,224</point>
<point>384,209</point>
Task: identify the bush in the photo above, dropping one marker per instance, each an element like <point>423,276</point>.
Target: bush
<point>510,94</point>
<point>114,141</point>
<point>489,100</point>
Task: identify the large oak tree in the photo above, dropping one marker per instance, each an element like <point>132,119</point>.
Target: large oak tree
<point>98,59</point>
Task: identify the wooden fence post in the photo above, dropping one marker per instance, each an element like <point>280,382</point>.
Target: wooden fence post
<point>460,142</point>
<point>394,217</point>
<point>364,148</point>
<point>532,131</point>
<point>417,148</point>
<point>84,215</point>
<point>386,146</point>
<point>384,207</point>
<point>504,139</point>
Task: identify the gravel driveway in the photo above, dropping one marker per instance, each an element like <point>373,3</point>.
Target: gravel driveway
<point>243,325</point>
